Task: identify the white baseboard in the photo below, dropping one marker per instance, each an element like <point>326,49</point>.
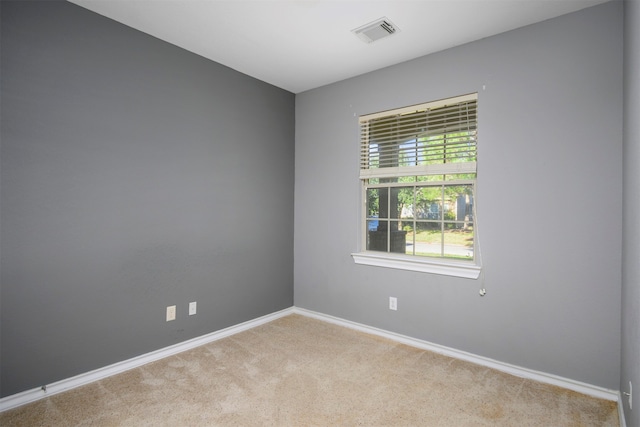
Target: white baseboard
<point>32,395</point>
<point>580,387</point>
<point>623,421</point>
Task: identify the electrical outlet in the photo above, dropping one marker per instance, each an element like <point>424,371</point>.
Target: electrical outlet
<point>192,308</point>
<point>171,313</point>
<point>393,303</point>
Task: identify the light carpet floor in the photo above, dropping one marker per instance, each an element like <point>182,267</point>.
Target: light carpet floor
<point>297,371</point>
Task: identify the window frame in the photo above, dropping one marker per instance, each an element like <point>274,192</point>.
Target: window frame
<point>420,263</point>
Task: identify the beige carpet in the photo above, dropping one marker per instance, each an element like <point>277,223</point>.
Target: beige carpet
<point>297,371</point>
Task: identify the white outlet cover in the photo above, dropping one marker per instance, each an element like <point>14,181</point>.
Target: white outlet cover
<point>171,313</point>
<point>193,307</point>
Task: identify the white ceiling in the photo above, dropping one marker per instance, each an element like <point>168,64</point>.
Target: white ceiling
<point>299,45</point>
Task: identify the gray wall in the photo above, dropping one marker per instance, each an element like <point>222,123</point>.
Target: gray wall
<point>135,175</point>
<point>549,199</point>
<point>631,215</point>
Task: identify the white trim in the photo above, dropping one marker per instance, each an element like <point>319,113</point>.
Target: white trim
<point>32,395</point>
<point>419,170</point>
<point>423,265</point>
<point>577,386</point>
<point>420,107</point>
<point>623,421</point>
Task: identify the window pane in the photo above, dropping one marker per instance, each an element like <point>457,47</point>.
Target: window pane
<point>377,239</point>
<point>429,203</point>
<point>398,238</point>
<point>374,196</point>
<point>408,227</point>
<point>402,202</point>
<point>428,238</point>
<point>458,242</point>
<point>432,220</point>
<point>458,202</point>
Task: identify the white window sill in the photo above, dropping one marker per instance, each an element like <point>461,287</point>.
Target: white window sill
<point>424,265</point>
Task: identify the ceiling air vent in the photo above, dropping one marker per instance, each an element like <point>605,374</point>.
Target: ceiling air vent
<point>376,30</point>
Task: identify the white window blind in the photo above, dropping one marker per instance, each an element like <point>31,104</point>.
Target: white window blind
<point>428,139</point>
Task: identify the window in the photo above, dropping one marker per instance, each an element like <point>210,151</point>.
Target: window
<point>418,174</point>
